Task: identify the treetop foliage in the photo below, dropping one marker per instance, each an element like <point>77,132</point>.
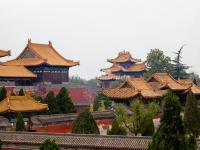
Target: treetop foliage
<point>21,92</point>
<point>49,144</point>
<point>140,119</point>
<point>20,126</point>
<point>3,93</point>
<point>85,124</point>
<point>171,134</point>
<point>192,115</point>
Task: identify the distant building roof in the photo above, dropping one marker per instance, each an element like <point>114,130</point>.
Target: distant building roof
<point>165,80</point>
<point>21,104</point>
<point>108,76</point>
<point>131,88</point>
<point>41,53</point>
<point>123,57</point>
<point>77,141</point>
<point>15,71</point>
<point>194,88</point>
<point>134,68</point>
<point>4,53</point>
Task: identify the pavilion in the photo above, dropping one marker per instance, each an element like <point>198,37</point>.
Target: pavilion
<point>15,104</point>
<point>123,65</point>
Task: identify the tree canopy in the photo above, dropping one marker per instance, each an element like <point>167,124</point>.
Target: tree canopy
<point>52,103</point>
<point>171,134</point>
<point>140,119</point>
<point>20,126</point>
<point>191,115</point>
<point>117,129</point>
<point>179,69</point>
<point>85,124</point>
<point>21,92</point>
<point>49,145</point>
<point>3,93</point>
<point>64,102</point>
<point>157,61</point>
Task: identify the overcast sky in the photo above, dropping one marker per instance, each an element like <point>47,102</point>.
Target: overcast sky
<point>93,30</point>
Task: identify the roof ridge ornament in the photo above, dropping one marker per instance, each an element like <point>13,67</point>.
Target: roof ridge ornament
<point>50,43</point>
<point>29,40</point>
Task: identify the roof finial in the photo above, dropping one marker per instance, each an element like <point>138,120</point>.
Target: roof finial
<point>29,41</point>
<point>50,43</point>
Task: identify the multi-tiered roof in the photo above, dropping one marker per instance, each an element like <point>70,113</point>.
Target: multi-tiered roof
<point>123,65</point>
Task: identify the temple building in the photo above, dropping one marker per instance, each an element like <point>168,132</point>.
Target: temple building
<point>38,63</point>
<point>153,89</point>
<point>123,65</point>
<point>21,104</point>
<point>131,89</point>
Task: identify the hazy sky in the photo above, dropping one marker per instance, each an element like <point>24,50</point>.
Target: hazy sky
<point>93,30</point>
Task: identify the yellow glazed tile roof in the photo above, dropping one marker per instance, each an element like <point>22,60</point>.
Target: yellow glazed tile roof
<point>166,80</point>
<point>21,104</point>
<point>194,88</point>
<point>134,68</point>
<point>15,71</point>
<point>4,53</point>
<point>123,57</point>
<point>132,87</point>
<point>43,53</point>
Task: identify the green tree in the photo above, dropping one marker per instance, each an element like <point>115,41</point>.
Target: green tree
<point>157,62</point>
<point>97,102</point>
<point>64,102</point>
<point>52,103</point>
<point>139,119</point>
<point>179,69</point>
<point>191,115</point>
<point>1,144</point>
<point>171,134</point>
<point>21,92</point>
<point>49,145</point>
<point>117,129</point>
<point>85,124</point>
<point>3,93</point>
<point>20,126</point>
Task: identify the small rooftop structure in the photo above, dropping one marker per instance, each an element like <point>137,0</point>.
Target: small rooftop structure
<point>21,104</point>
<point>123,65</point>
<point>166,81</point>
<point>131,88</point>
<point>4,53</point>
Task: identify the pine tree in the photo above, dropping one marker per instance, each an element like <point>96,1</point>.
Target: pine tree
<point>20,126</point>
<point>191,115</point>
<point>49,145</point>
<point>147,126</point>
<point>1,144</point>
<point>52,103</point>
<point>64,102</point>
<point>179,69</point>
<point>171,134</point>
<point>85,124</point>
<point>3,93</point>
<point>117,129</point>
<point>21,92</point>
